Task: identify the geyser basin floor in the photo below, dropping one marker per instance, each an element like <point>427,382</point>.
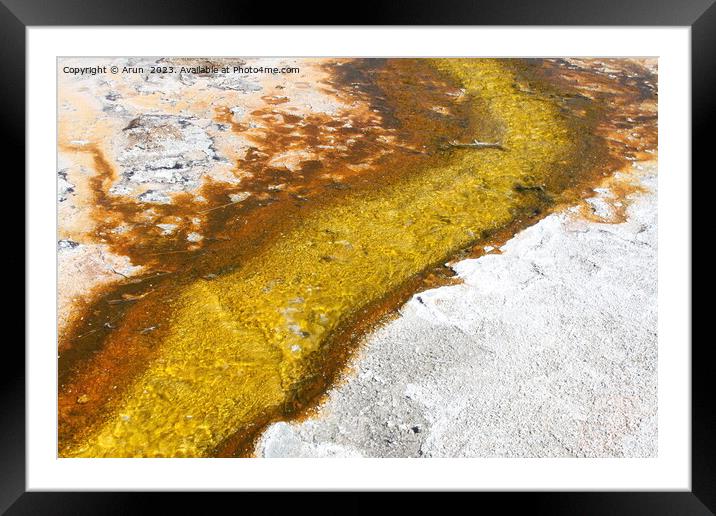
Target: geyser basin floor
<point>246,334</point>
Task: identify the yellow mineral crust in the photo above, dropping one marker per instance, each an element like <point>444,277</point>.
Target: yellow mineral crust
<point>239,346</point>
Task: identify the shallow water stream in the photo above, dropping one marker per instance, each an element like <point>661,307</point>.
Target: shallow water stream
<point>248,334</point>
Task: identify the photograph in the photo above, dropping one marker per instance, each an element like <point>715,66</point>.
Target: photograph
<point>388,257</point>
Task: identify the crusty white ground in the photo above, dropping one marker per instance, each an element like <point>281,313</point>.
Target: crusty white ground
<point>546,350</point>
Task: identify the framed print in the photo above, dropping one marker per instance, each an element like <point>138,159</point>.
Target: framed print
<point>450,250</point>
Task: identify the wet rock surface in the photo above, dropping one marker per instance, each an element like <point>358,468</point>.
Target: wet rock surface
<point>164,152</point>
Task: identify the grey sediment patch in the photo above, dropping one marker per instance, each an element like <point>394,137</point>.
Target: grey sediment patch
<point>167,151</point>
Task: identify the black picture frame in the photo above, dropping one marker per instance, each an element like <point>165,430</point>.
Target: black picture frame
<point>17,15</point>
